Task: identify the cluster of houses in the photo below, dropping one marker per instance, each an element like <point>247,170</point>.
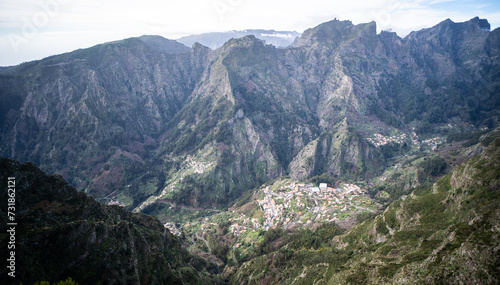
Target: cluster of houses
<point>434,142</point>
<point>172,228</point>
<point>379,140</point>
<point>237,228</point>
<point>323,201</point>
<point>197,166</point>
<point>293,204</point>
<point>116,202</point>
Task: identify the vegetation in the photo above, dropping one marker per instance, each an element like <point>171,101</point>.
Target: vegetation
<point>424,237</point>
<point>88,240</point>
<point>433,166</point>
<point>184,134</point>
<point>323,178</point>
<point>470,138</point>
<point>68,281</point>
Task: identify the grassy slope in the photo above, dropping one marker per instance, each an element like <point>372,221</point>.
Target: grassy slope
<point>446,233</point>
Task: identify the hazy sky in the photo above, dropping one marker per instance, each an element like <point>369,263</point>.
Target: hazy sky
<point>33,29</point>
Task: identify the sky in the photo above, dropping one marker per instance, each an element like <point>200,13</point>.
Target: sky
<point>34,29</point>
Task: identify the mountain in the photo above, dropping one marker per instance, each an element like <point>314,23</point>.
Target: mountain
<point>94,115</point>
<point>218,39</point>
<point>60,232</point>
<point>445,233</point>
<point>146,119</point>
<point>165,129</point>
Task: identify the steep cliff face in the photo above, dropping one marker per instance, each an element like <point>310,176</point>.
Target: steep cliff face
<point>62,233</point>
<point>452,67</point>
<point>93,115</point>
<point>147,118</point>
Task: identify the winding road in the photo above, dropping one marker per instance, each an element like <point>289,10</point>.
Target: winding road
<point>204,240</point>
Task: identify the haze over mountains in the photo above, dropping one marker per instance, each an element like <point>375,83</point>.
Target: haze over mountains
<point>147,121</point>
<point>217,40</point>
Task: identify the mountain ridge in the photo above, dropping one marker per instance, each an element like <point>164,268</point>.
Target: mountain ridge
<point>161,128</point>
<point>302,110</point>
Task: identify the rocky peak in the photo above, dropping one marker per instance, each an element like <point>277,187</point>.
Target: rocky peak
<point>327,33</point>
<point>334,33</point>
<point>448,28</point>
<point>246,42</point>
<point>480,23</point>
<point>198,46</point>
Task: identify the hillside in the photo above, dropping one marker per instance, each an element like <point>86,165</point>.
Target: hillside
<point>60,232</point>
<point>146,119</point>
<point>286,208</point>
<point>346,157</point>
<point>443,234</point>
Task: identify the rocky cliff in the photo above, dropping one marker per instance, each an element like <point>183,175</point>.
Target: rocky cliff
<point>148,118</point>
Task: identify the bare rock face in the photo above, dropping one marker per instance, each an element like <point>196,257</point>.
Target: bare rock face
<point>120,119</point>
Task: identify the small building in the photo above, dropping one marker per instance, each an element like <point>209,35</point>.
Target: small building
<point>323,186</point>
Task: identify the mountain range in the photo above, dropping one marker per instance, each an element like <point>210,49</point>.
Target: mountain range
<point>129,120</point>
<point>158,128</point>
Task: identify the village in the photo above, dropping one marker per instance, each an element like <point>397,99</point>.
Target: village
<point>379,140</point>
<point>116,202</point>
<point>288,205</point>
<point>297,204</point>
